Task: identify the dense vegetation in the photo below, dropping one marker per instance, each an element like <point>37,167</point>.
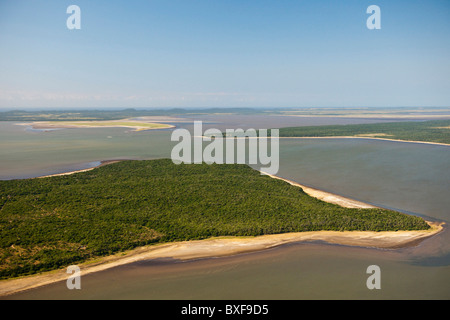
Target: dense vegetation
<point>428,131</point>
<point>47,223</point>
<point>90,115</point>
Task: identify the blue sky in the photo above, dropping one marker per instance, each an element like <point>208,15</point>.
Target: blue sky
<point>217,53</point>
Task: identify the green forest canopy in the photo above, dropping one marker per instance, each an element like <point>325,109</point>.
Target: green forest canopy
<point>427,131</point>
<point>48,223</point>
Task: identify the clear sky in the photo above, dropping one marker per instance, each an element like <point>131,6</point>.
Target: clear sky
<point>224,53</point>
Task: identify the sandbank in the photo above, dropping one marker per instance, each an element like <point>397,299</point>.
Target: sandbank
<point>136,125</point>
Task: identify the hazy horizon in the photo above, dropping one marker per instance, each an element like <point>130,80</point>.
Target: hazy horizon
<point>170,108</point>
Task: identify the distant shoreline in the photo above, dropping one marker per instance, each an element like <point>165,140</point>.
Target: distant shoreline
<point>102,163</point>
<point>340,137</point>
<point>226,246</point>
<point>371,138</point>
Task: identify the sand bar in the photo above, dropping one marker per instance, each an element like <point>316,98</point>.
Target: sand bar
<point>136,125</point>
<point>224,246</point>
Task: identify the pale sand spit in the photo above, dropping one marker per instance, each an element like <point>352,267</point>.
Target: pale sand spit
<point>136,125</point>
<point>328,197</point>
<point>225,246</point>
<point>368,137</point>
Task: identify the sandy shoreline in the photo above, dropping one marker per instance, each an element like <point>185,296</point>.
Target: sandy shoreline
<point>384,116</point>
<point>328,197</point>
<point>102,163</point>
<point>225,246</point>
<point>368,137</point>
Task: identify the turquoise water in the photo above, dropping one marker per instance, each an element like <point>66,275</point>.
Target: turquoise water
<point>413,178</point>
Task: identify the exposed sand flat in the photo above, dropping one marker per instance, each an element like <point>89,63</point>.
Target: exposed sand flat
<point>137,125</point>
<point>217,247</point>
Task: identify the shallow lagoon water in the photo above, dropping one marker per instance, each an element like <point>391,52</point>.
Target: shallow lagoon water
<point>413,178</point>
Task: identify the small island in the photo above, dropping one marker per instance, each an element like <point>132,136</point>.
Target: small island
<point>136,125</point>
<point>52,222</point>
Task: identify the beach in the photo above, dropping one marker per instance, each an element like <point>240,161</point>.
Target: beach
<point>225,246</point>
<point>102,163</point>
<point>328,197</point>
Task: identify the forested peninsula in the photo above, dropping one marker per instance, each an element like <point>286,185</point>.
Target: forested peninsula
<point>52,222</point>
<point>431,131</point>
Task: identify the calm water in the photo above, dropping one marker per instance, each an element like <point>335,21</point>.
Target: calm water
<point>413,178</point>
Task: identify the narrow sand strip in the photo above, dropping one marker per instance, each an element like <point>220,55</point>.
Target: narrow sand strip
<point>327,197</point>
<point>103,163</point>
<point>368,137</point>
<point>224,246</point>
